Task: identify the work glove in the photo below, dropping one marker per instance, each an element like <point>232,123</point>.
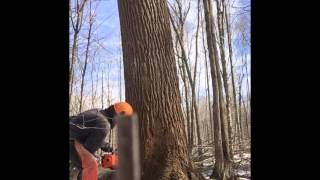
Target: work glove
<point>107,147</point>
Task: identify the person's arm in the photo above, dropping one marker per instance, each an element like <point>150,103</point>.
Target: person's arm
<point>95,141</point>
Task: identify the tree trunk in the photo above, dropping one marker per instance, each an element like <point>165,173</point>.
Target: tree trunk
<point>93,90</point>
<point>152,88</point>
<point>246,119</point>
<point>240,111</point>
<point>224,125</point>
<point>224,71</point>
<point>248,98</point>
<point>195,105</point>
<point>102,90</point>
<point>208,83</point>
<point>186,89</point>
<point>108,87</point>
<point>236,117</point>
<point>73,59</point>
<point>120,77</point>
<point>223,168</point>
<point>190,112</point>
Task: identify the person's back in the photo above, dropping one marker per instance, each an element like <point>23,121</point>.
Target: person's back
<point>90,129</point>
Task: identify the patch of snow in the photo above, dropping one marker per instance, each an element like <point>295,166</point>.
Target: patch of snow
<point>246,155</point>
<point>245,162</point>
<point>242,178</point>
<point>207,164</point>
<point>241,172</point>
<point>236,156</point>
<point>236,160</point>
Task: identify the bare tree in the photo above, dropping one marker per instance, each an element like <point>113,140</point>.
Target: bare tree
<point>181,16</point>
<point>108,85</point>
<point>152,88</point>
<point>221,22</point>
<point>93,87</point>
<point>240,109</point>
<point>76,26</point>
<point>223,164</point>
<point>207,79</point>
<point>195,105</point>
<point>229,35</point>
<point>83,74</point>
<point>120,77</point>
<point>192,79</point>
<point>102,89</point>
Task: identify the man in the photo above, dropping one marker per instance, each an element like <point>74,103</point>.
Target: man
<point>88,131</point>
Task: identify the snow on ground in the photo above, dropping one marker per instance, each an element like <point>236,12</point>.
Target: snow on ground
<point>241,172</point>
<point>241,163</point>
<point>241,178</point>
<point>246,155</point>
<point>208,163</point>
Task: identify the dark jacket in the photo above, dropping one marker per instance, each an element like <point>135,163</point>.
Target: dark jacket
<point>89,128</point>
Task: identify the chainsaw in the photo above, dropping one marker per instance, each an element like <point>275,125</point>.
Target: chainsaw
<point>109,159</point>
<point>109,163</point>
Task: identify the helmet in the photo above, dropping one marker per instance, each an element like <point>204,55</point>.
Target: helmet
<point>123,108</point>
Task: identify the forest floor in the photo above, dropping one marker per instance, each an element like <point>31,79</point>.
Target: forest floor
<point>241,167</point>
<point>205,163</point>
<point>241,164</point>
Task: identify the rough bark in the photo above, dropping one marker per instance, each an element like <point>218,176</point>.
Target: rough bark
<point>152,88</point>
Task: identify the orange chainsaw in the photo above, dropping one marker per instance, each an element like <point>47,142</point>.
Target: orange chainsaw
<point>109,158</point>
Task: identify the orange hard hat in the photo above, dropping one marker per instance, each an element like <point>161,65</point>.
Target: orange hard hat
<point>123,108</point>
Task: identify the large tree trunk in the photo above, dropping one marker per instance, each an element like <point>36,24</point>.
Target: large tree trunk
<point>223,168</point>
<point>152,88</point>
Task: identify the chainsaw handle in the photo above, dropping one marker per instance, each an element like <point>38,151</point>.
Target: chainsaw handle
<point>107,147</point>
